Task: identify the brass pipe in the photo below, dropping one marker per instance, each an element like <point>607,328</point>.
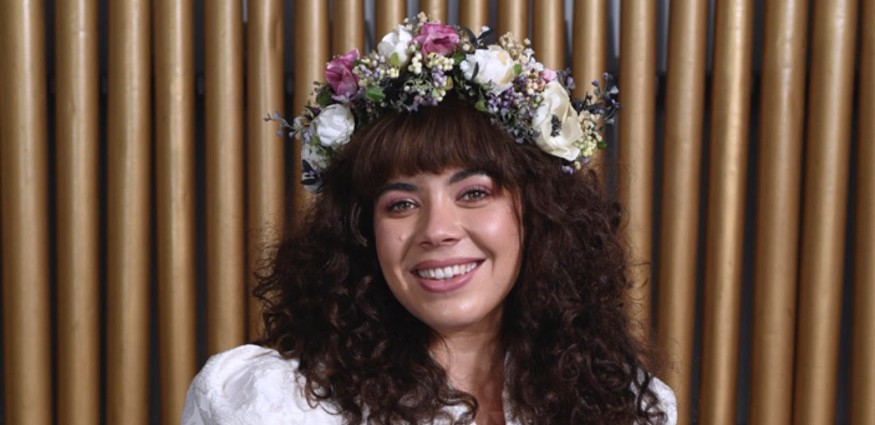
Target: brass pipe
<point>474,14</point>
<point>779,187</point>
<point>266,168</point>
<point>824,209</point>
<point>548,33</point>
<point>175,158</point>
<point>513,17</point>
<point>389,14</point>
<point>638,80</point>
<point>77,135</point>
<point>681,176</point>
<point>223,105</point>
<point>730,117</point>
<point>26,328</point>
<point>128,212</point>
<point>348,27</point>
<point>863,339</point>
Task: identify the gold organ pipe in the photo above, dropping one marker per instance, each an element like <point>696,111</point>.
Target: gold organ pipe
<point>174,138</point>
<point>26,328</point>
<point>389,14</point>
<point>824,212</point>
<point>638,80</point>
<point>779,184</point>
<point>549,33</point>
<point>681,175</point>
<point>513,17</point>
<point>311,24</point>
<point>266,203</point>
<point>730,109</point>
<point>128,207</point>
<point>78,245</point>
<point>863,357</point>
<point>348,28</point>
<point>589,44</point>
<point>435,9</point>
<point>474,14</point>
<point>223,105</point>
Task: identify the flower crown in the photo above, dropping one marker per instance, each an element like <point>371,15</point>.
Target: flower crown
<point>423,62</point>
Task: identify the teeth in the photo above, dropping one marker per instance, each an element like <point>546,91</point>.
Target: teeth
<point>448,272</point>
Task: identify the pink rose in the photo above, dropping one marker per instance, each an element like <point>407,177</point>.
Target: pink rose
<point>438,38</point>
<point>340,77</point>
<point>548,75</point>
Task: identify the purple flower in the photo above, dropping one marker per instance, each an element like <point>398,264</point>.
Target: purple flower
<point>340,77</point>
<point>548,75</point>
<point>438,38</point>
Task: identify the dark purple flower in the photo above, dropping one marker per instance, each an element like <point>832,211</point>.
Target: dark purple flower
<point>438,38</point>
<point>340,77</point>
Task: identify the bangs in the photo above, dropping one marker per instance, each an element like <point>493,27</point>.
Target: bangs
<point>430,140</point>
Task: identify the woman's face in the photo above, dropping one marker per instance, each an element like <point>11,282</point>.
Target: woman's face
<point>449,247</point>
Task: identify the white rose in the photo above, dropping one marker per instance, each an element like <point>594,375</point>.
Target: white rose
<point>394,45</point>
<point>334,125</point>
<point>563,142</point>
<point>495,66</point>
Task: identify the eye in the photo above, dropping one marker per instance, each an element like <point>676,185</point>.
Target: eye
<point>401,205</point>
<point>474,194</point>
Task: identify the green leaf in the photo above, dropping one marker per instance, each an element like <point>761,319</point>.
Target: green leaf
<point>517,69</point>
<point>323,98</point>
<point>375,94</point>
<point>480,105</point>
<point>458,58</point>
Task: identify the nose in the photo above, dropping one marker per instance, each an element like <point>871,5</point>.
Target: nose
<point>440,225</point>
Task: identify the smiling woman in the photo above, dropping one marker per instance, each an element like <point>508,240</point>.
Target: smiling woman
<point>451,268</point>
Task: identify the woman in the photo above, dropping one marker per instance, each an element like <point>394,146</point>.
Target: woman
<point>452,268</point>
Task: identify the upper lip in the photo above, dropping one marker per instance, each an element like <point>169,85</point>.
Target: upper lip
<point>448,262</point>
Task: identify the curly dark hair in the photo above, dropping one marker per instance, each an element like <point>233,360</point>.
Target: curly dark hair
<point>571,357</point>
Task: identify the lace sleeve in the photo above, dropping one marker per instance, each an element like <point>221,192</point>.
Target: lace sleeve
<point>250,385</point>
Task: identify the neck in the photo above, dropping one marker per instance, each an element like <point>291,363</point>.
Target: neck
<point>474,361</point>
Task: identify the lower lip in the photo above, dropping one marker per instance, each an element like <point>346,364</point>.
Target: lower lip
<point>446,285</point>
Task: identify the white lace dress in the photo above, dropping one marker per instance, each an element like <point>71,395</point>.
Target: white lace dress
<point>252,385</point>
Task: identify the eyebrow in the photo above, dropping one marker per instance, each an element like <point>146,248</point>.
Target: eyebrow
<point>410,187</point>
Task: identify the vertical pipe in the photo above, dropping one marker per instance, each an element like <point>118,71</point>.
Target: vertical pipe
<point>174,177</point>
<point>78,246</point>
<point>266,204</point>
<point>681,176</point>
<point>474,14</point>
<point>389,14</point>
<point>730,107</point>
<point>863,358</point>
<point>548,33</point>
<point>782,111</point>
<point>825,208</point>
<point>223,104</point>
<point>638,96</point>
<point>128,157</point>
<point>311,24</point>
<point>513,17</point>
<point>435,9</point>
<point>589,46</point>
<point>348,28</point>
<point>26,328</point>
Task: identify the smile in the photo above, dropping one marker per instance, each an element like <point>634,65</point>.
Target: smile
<point>448,272</point>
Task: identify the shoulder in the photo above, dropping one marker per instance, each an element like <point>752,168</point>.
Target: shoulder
<point>665,399</point>
<point>250,385</point>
